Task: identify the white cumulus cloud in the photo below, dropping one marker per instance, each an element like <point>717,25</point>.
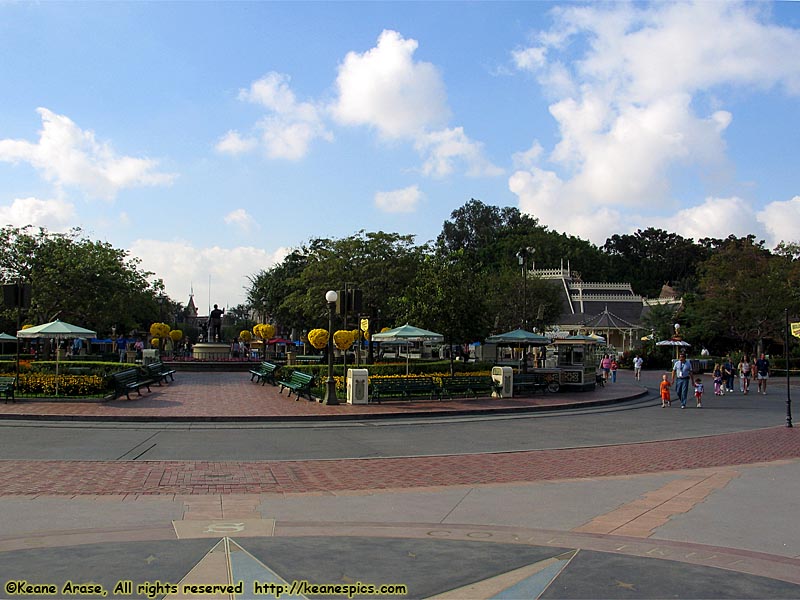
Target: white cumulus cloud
<point>242,219</point>
<point>781,219</point>
<point>54,215</point>
<point>184,266</point>
<point>286,131</point>
<point>399,201</point>
<point>385,88</point>
<point>70,156</point>
<point>629,84</point>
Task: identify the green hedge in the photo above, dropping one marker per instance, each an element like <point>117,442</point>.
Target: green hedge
<point>398,368</point>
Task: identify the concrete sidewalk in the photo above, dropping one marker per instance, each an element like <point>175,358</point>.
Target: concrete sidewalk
<point>711,516</point>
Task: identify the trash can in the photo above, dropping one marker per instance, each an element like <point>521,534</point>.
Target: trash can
<point>357,382</point>
<point>504,376</point>
<point>149,356</point>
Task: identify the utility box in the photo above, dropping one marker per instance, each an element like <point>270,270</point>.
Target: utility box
<point>504,377</point>
<point>357,384</point>
<point>149,356</point>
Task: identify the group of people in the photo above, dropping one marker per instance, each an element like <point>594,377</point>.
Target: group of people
<point>682,377</point>
<point>609,366</point>
<point>747,369</point>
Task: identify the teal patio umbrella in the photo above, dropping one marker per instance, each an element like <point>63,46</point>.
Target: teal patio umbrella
<point>58,330</point>
<point>520,337</point>
<point>407,334</point>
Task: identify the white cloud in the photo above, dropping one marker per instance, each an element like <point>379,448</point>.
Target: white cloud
<point>286,131</point>
<point>529,158</point>
<point>718,218</point>
<point>446,148</point>
<point>70,156</point>
<point>233,143</point>
<point>627,106</point>
<point>242,219</point>
<point>386,89</point>
<point>782,221</point>
<point>399,201</point>
<point>54,215</point>
<point>183,267</point>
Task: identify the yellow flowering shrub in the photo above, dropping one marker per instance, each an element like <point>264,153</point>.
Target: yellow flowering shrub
<point>265,331</point>
<point>245,335</point>
<point>318,338</point>
<point>343,339</point>
<point>159,330</point>
<point>176,335</point>
<point>42,384</point>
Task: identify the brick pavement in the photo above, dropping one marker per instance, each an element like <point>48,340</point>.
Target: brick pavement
<point>23,477</point>
<point>232,396</point>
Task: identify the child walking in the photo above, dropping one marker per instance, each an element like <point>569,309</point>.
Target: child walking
<point>698,392</point>
<point>719,389</point>
<point>665,385</point>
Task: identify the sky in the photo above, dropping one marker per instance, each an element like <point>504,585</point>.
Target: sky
<point>209,139</point>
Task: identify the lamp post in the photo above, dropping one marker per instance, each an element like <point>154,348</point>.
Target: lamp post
<point>788,379</point>
<point>522,256</point>
<point>330,383</point>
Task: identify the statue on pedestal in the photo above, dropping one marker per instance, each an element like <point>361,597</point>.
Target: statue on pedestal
<point>215,324</point>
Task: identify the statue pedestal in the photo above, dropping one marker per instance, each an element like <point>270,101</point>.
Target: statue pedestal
<point>211,351</point>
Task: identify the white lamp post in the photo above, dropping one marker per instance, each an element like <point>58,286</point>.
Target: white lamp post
<point>330,384</point>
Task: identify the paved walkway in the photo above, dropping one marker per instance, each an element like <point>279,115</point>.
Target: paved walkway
<point>699,516</point>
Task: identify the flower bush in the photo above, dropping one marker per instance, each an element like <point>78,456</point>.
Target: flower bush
<point>245,335</point>
<point>265,331</point>
<point>342,339</point>
<point>43,384</point>
<point>155,342</point>
<point>159,330</point>
<point>176,335</point>
<point>318,338</point>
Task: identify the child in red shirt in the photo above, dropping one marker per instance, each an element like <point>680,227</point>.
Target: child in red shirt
<point>665,397</point>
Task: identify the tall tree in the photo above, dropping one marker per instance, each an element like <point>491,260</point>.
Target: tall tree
<point>742,293</point>
<point>653,257</point>
<point>74,278</point>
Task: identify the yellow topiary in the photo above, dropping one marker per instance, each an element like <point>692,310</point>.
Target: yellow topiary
<point>176,335</point>
<point>318,338</point>
<point>343,339</point>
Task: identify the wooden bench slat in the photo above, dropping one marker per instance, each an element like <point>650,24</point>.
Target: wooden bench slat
<point>8,385</point>
<point>298,383</point>
<point>533,382</point>
<point>265,372</point>
<point>468,384</point>
<point>130,380</point>
<point>405,388</point>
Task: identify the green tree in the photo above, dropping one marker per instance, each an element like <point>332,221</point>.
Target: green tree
<point>448,296</point>
<point>76,279</point>
<point>652,257</point>
<point>742,293</point>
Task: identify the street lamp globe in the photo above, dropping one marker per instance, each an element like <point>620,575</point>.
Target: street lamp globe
<point>330,383</point>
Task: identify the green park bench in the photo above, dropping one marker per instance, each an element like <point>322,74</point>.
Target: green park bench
<point>7,387</point>
<point>159,372</point>
<point>128,381</point>
<point>532,382</point>
<point>466,385</point>
<point>299,383</point>
<point>264,372</point>
<point>402,388</point>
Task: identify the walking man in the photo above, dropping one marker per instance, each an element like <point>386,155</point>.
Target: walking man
<point>681,377</point>
<point>637,367</point>
<point>762,372</point>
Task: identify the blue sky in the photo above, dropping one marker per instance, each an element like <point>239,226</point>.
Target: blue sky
<point>210,138</point>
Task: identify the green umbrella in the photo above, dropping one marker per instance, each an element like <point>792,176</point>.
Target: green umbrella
<point>58,330</point>
<point>407,334</point>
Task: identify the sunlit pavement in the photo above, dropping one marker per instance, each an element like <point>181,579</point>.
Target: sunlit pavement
<point>700,516</point>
